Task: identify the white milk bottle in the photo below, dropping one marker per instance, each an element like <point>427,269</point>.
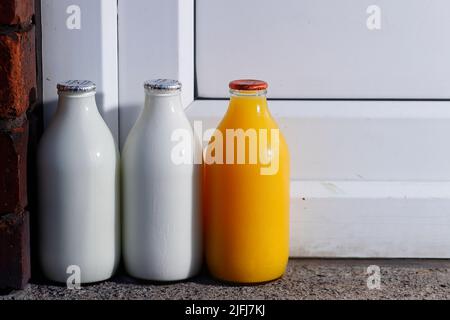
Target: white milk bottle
<point>78,170</point>
<point>162,225</point>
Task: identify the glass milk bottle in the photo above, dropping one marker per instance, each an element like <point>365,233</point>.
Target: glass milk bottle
<point>78,189</point>
<point>162,225</point>
<point>246,191</point>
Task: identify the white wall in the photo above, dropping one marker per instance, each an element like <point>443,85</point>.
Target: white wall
<point>79,41</point>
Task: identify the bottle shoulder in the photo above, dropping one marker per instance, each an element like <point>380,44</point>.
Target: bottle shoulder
<point>65,142</point>
<point>150,127</point>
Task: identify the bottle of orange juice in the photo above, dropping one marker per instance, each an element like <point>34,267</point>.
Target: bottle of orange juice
<point>246,191</point>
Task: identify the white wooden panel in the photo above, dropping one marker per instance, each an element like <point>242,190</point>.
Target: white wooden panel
<point>324,48</point>
<point>370,219</point>
<point>156,40</point>
<point>79,41</point>
<point>357,140</point>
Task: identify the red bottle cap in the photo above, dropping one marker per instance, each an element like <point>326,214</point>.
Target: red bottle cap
<point>248,84</point>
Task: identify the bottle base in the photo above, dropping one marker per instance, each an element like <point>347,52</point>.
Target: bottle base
<point>160,281</point>
<point>246,282</point>
<point>66,281</point>
<point>58,273</point>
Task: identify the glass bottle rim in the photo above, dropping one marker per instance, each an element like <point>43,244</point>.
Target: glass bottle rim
<point>248,93</point>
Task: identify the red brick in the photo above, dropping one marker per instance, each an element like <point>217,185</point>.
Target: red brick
<point>17,73</point>
<point>14,250</point>
<point>16,11</point>
<point>13,165</point>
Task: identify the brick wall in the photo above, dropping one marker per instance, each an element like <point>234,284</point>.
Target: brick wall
<point>20,127</point>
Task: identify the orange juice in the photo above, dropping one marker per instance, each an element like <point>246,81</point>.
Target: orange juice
<point>246,196</point>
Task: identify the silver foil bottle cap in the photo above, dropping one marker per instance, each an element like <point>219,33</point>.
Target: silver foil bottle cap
<point>81,86</point>
<point>167,85</point>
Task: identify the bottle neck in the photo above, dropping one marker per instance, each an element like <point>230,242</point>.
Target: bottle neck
<point>77,104</point>
<point>162,102</point>
<point>249,103</point>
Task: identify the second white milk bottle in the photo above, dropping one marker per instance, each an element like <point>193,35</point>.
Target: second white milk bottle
<point>162,225</point>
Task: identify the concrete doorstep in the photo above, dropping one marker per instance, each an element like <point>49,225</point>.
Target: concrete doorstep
<point>305,279</point>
